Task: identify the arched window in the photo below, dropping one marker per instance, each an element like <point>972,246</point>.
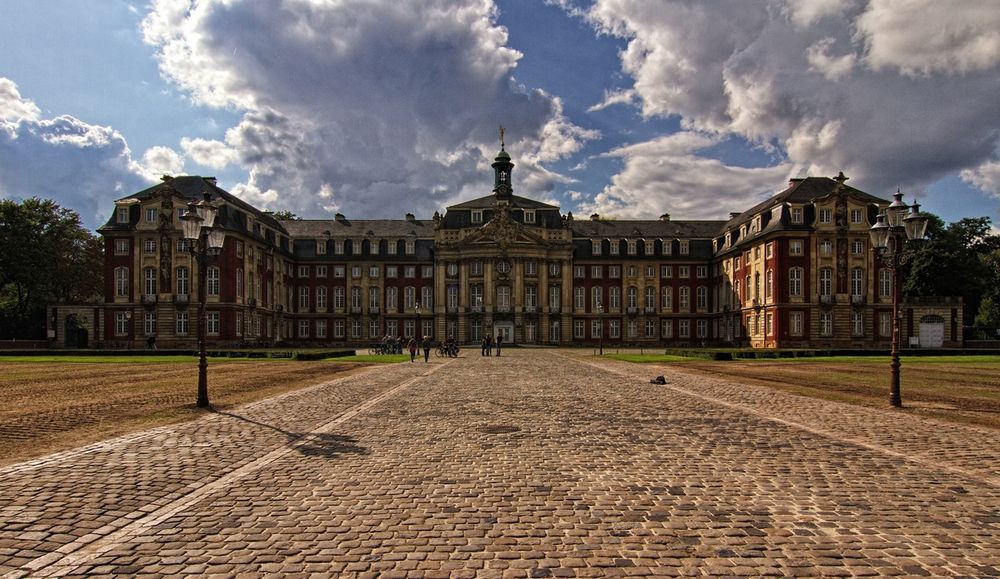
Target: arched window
<point>149,281</point>
<point>795,281</point>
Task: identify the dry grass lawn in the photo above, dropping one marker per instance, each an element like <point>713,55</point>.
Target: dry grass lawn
<point>55,405</point>
<point>961,390</point>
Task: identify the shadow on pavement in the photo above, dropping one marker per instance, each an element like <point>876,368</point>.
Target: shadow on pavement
<point>324,445</point>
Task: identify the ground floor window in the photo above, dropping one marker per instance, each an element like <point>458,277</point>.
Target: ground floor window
<point>554,331</point>
<point>667,328</point>
<point>121,323</point>
<point>303,328</point>
<point>212,323</point>
<point>857,324</point>
<point>356,329</point>
<point>475,330</point>
<point>529,332</point>
<point>452,329</point>
<point>702,328</point>
<point>596,326</point>
<point>615,329</point>
<point>149,325</point>
<point>391,327</point>
<point>408,328</point>
<point>578,328</point>
<point>650,329</point>
<point>338,328</point>
<point>320,328</point>
<point>239,324</point>
<point>373,331</point>
<point>632,329</point>
<point>826,324</point>
<point>795,323</point>
<point>181,323</point>
<point>684,328</point>
<point>428,329</point>
<point>885,324</point>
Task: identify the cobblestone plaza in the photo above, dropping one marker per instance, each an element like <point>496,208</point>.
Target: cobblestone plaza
<point>516,467</point>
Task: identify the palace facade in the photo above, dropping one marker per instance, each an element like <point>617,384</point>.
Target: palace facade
<point>794,271</point>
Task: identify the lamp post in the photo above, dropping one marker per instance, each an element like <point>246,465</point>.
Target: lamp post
<point>896,225</point>
<point>204,242</point>
<point>417,331</point>
<point>600,333</point>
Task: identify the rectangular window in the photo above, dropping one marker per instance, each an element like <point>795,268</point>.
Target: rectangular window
<point>122,246</point>
<point>684,328</point>
<point>701,295</point>
<point>596,327</point>
<point>667,299</point>
<point>121,281</point>
<point>595,298</point>
<point>373,247</point>
<point>123,215</point>
<point>151,214</point>
<point>578,297</point>
<point>182,281</point>
<point>613,247</point>
<point>857,247</point>
<point>667,271</point>
<point>355,329</point>
<point>391,271</point>
<point>650,271</point>
<point>702,329</point>
<point>213,281</point>
<point>650,329</point>
<point>596,248</point>
<point>477,216</point>
<point>427,297</point>
<point>795,247</point>
<point>578,272</point>
<point>356,245</point>
<point>303,328</point>
<point>857,324</point>
<point>321,297</point>
<point>554,298</point>
<point>149,281</point>
<point>355,272</point>
<point>649,247</point>
<point>338,247</point>
<point>857,216</point>
<point>578,327</point>
<point>826,324</point>
<point>475,267</point>
<point>596,271</point>
<point>183,246</point>
<point>121,323</point>
<point>668,246</point>
<point>826,281</point>
<point>796,215</point>
<point>684,298</point>
<point>339,271</point>
<point>321,247</point>
<point>303,272</point>
<point>614,271</point>
<point>795,282</point>
<point>614,329</point>
<point>683,271</point>
<point>321,271</point>
<point>885,283</point>
<point>529,215</point>
<point>685,247</point>
<point>410,271</point>
<point>885,324</point>
<point>320,328</point>
<point>338,298</point>
<point>631,247</point>
<point>795,323</point>
<point>410,247</point>
<point>701,271</point>
<point>373,271</point>
<point>149,246</point>
<point>825,216</point>
<point>212,323</point>
<point>390,247</point>
<point>303,299</point>
<point>427,271</point>
<point>530,268</point>
<point>667,328</point>
<point>338,328</point>
<point>181,323</point>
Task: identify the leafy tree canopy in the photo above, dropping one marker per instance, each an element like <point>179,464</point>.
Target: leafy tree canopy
<point>45,256</point>
<point>283,215</point>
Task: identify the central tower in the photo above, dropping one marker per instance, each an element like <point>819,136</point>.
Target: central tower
<point>502,168</point>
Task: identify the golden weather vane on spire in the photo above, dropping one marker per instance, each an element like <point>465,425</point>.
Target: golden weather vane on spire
<point>502,131</point>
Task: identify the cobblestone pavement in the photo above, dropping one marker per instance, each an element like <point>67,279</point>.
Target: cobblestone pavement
<point>539,463</point>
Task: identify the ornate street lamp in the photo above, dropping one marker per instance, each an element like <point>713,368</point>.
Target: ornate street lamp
<point>600,333</point>
<point>204,242</point>
<point>896,225</point>
<point>417,331</point>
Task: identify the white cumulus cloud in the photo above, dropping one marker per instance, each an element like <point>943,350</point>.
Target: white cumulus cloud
<point>375,107</point>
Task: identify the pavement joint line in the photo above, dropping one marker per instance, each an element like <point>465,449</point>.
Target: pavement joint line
<point>985,479</point>
<point>57,457</point>
<point>68,557</point>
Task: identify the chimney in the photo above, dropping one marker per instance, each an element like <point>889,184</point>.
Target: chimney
<point>410,217</point>
<point>734,214</point>
<point>340,217</point>
<point>595,217</point>
<point>665,217</point>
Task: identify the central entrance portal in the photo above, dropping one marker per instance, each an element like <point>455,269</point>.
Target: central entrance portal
<point>505,329</point>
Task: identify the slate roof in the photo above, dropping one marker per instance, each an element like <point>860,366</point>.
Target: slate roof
<point>801,191</point>
<point>635,229</point>
<point>515,201</point>
<point>193,187</point>
<point>347,228</point>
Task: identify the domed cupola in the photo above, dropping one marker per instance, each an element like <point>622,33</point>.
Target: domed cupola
<point>501,172</point>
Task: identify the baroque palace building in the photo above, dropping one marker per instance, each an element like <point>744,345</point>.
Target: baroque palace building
<point>794,271</point>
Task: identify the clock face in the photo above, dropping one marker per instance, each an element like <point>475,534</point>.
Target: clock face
<point>503,266</point>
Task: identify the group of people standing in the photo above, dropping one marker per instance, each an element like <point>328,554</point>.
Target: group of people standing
<point>488,344</point>
<point>413,345</point>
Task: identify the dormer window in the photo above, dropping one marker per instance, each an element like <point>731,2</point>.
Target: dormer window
<point>596,248</point>
<point>614,246</point>
<point>321,247</point>
<point>796,215</point>
<point>477,216</point>
<point>631,247</point>
<point>529,215</point>
<point>123,215</point>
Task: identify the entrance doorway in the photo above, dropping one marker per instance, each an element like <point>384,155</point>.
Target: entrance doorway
<point>505,329</point>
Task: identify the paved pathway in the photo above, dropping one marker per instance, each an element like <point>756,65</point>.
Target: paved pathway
<point>535,464</point>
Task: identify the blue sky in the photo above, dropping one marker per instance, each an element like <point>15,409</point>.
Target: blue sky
<point>628,108</point>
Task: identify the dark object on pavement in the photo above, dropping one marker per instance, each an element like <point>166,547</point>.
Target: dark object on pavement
<point>658,380</point>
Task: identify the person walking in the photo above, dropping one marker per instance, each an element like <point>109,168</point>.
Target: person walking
<point>427,348</point>
<point>499,342</point>
<point>412,345</point>
<point>484,346</point>
<point>489,345</point>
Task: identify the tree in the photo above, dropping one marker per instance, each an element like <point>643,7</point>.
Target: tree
<point>955,261</point>
<point>45,256</point>
<point>283,215</point>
